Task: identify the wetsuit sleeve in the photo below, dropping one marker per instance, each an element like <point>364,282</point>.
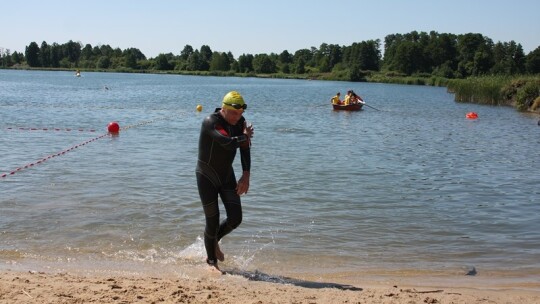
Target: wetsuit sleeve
<point>245,158</point>
<point>219,134</point>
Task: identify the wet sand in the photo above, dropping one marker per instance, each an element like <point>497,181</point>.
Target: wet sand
<point>18,286</point>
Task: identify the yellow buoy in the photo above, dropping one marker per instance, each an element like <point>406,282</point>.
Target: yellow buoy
<point>199,108</point>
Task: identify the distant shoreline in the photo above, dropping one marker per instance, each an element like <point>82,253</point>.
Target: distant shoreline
<point>475,88</point>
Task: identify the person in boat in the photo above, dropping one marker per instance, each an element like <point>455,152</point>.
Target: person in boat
<point>356,99</point>
<point>222,134</point>
<point>336,99</point>
<point>348,98</point>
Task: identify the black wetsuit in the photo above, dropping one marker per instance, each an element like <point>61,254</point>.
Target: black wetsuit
<point>215,176</point>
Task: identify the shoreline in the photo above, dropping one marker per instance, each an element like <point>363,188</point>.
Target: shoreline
<point>28,286</point>
<point>287,272</point>
<point>375,78</point>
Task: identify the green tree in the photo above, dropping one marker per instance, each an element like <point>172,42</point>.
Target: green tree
<point>371,54</point>
<point>304,55</point>
<point>400,49</point>
<point>445,70</point>
<point>285,57</point>
<point>117,52</point>
<point>45,54</point>
<point>334,55</point>
<point>234,67</point>
<point>327,56</point>
<point>300,66</point>
<point>186,52</point>
<point>286,68</point>
<point>408,57</point>
<point>508,58</point>
<point>483,61</point>
<point>162,63</point>
<point>65,63</point>
<point>366,55</point>
<point>391,43</point>
<point>72,51</point>
<point>104,62</point>
<point>441,52</point>
<point>428,52</point>
<point>87,52</point>
<point>220,62</point>
<point>130,61</point>
<point>324,65</point>
<point>96,51</point>
<point>32,55</point>
<point>5,58</point>
<point>131,57</point>
<point>532,62</point>
<point>106,50</point>
<point>17,58</point>
<point>320,57</point>
<point>206,57</point>
<point>56,55</point>
<point>518,58</point>
<point>474,53</point>
<point>230,56</point>
<point>356,74</point>
<point>262,63</point>
<point>245,63</point>
<point>194,61</point>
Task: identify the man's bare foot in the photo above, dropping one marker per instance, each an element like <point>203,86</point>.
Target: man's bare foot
<point>214,268</point>
<point>219,254</point>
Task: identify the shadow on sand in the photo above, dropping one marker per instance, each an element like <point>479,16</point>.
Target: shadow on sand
<point>259,276</point>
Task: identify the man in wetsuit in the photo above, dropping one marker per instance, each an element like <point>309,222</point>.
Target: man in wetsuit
<point>222,133</point>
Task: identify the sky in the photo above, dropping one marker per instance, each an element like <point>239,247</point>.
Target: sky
<point>257,26</point>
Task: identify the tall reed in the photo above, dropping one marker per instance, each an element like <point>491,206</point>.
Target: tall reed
<point>486,90</point>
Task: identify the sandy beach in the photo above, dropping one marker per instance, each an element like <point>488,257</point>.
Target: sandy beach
<point>42,287</point>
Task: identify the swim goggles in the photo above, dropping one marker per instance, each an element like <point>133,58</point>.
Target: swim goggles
<point>237,106</point>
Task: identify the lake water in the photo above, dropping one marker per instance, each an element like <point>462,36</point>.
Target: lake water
<point>409,187</point>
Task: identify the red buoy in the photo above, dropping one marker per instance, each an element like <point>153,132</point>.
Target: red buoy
<point>113,127</point>
<point>472,115</point>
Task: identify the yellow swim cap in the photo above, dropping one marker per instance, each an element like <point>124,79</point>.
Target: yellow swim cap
<point>234,101</point>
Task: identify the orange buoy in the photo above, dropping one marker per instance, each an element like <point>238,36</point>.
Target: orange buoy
<point>113,127</point>
<point>472,115</point>
<point>199,108</point>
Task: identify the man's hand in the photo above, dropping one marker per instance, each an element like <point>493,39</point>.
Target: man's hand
<point>243,184</point>
<point>248,129</point>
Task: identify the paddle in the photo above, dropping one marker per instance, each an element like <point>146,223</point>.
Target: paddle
<point>371,106</point>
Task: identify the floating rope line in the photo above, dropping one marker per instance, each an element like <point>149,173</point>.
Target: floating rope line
<point>29,165</point>
<point>40,161</point>
<point>51,129</point>
<point>147,122</point>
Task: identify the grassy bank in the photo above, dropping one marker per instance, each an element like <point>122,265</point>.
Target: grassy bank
<point>521,92</point>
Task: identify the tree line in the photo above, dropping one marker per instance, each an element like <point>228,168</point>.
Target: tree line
<point>415,53</point>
